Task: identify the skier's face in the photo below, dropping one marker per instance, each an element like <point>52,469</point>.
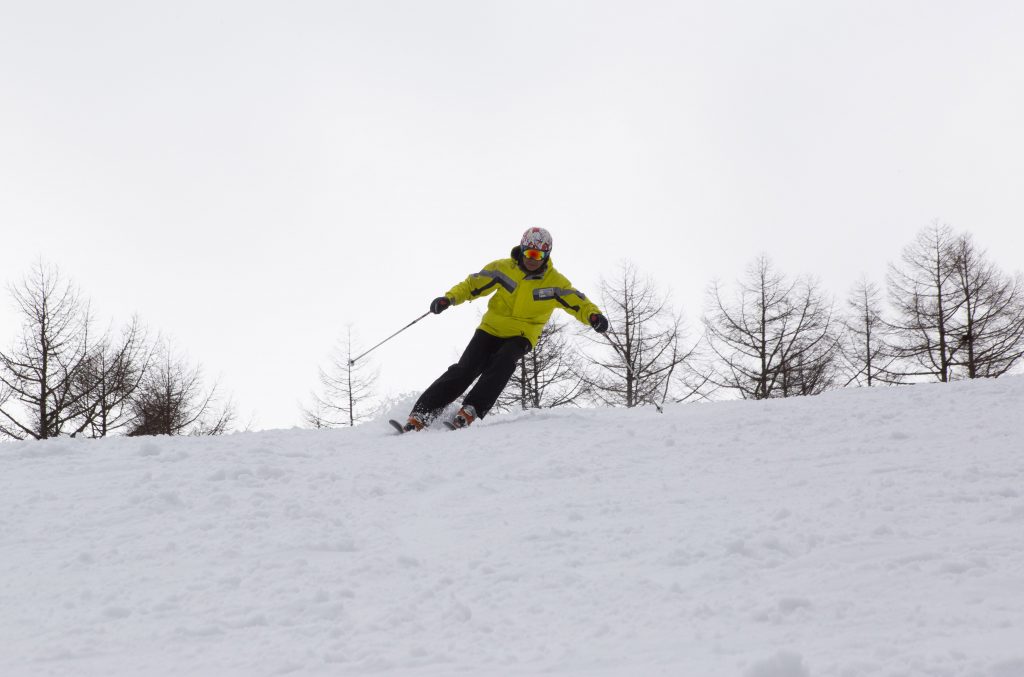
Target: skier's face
<point>534,259</point>
<point>532,264</point>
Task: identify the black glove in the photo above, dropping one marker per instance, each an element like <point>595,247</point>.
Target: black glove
<point>599,322</point>
<point>440,304</point>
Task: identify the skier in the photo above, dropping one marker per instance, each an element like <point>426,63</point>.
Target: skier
<point>525,290</point>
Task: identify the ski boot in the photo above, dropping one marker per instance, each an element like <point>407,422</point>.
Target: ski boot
<point>465,416</point>
<point>414,424</point>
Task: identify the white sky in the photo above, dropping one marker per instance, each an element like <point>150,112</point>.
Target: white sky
<point>252,176</point>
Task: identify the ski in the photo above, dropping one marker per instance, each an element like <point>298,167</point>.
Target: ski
<point>401,428</point>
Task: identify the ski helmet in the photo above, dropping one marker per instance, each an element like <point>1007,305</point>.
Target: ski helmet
<point>536,238</point>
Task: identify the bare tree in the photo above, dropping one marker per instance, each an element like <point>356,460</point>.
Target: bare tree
<point>43,370</point>
<point>864,348</point>
<point>347,390</point>
<point>988,330</point>
<point>774,339</point>
<point>924,294</point>
<point>810,366</point>
<point>5,394</point>
<point>111,377</point>
<point>548,376</point>
<point>315,416</point>
<point>172,400</point>
<point>642,347</point>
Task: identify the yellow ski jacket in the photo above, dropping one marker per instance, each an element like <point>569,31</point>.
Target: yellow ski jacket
<point>522,302</point>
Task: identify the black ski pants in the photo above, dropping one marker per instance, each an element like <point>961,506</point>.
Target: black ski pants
<point>491,358</point>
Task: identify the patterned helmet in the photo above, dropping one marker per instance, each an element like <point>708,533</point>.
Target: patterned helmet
<point>536,238</point>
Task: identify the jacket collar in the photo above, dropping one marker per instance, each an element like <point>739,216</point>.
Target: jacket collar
<point>537,274</point>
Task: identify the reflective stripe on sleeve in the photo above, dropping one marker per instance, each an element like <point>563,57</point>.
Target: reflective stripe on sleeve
<point>556,294</point>
<point>497,277</point>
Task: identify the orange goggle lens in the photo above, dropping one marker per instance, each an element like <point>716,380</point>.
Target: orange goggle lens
<point>535,254</point>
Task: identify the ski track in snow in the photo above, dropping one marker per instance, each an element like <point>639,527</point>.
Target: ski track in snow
<point>858,533</point>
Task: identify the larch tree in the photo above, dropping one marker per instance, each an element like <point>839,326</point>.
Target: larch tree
<point>43,371</point>
<point>988,329</point>
<point>550,375</point>
<point>774,338</point>
<point>172,399</point>
<point>865,350</point>
<point>347,389</point>
<point>634,361</point>
<point>112,377</point>
<point>924,294</point>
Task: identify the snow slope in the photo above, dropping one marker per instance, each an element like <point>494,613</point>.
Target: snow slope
<point>858,533</point>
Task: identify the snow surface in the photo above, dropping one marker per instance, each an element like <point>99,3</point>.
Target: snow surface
<point>862,532</point>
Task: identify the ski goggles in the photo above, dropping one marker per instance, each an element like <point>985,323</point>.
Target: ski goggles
<point>535,254</point>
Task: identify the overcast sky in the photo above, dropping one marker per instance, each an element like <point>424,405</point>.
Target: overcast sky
<point>250,177</point>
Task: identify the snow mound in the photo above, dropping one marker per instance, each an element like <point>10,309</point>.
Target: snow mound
<point>859,533</point>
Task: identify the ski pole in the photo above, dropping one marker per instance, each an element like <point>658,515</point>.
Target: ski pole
<point>359,357</point>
